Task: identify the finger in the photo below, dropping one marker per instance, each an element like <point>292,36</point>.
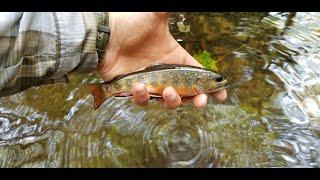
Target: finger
<point>220,95</point>
<point>163,14</point>
<point>140,94</point>
<point>171,97</point>
<point>192,61</point>
<point>200,100</point>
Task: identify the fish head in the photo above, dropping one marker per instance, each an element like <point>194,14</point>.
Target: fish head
<point>216,82</point>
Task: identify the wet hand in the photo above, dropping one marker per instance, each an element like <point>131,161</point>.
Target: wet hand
<point>138,40</point>
<point>171,98</point>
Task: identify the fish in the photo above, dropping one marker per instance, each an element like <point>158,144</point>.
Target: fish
<point>187,80</point>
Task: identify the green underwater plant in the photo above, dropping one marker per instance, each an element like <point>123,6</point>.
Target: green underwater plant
<point>206,59</point>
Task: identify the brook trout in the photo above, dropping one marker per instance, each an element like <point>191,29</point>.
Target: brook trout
<point>186,80</point>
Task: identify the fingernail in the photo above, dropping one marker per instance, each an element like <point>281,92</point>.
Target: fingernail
<point>204,98</point>
<point>171,96</point>
<point>140,90</point>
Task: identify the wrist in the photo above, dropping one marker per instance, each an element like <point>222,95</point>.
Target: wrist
<point>135,40</point>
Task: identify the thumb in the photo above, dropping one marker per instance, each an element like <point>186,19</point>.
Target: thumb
<point>191,61</point>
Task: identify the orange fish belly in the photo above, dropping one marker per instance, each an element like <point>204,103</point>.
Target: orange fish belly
<point>182,91</point>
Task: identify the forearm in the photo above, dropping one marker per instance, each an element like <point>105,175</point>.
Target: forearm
<point>36,48</point>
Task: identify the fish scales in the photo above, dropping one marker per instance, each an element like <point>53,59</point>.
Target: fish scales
<point>186,80</point>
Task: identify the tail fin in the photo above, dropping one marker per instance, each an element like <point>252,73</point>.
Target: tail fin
<point>100,94</point>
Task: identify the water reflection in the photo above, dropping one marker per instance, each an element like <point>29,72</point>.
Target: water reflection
<point>271,118</point>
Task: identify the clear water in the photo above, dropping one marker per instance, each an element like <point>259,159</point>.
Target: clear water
<point>270,119</point>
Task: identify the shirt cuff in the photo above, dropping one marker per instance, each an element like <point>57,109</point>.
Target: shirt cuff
<point>95,41</point>
<point>103,33</point>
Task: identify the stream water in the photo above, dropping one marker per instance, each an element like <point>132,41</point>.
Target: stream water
<point>270,119</point>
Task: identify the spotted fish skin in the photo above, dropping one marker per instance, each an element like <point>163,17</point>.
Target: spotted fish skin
<point>186,80</point>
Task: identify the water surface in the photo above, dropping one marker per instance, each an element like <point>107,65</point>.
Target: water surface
<point>270,119</point>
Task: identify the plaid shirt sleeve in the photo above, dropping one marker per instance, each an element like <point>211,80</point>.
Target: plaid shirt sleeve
<point>42,47</point>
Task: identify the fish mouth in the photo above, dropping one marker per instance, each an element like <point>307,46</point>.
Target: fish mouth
<point>222,84</point>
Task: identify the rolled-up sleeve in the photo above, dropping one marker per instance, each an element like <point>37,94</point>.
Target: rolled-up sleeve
<point>41,47</point>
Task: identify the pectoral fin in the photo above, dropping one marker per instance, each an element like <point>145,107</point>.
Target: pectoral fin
<point>122,97</point>
<point>155,96</point>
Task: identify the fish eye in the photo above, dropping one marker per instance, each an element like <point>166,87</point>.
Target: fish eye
<point>219,78</point>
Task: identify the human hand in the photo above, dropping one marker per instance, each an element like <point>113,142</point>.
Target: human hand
<point>138,40</point>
